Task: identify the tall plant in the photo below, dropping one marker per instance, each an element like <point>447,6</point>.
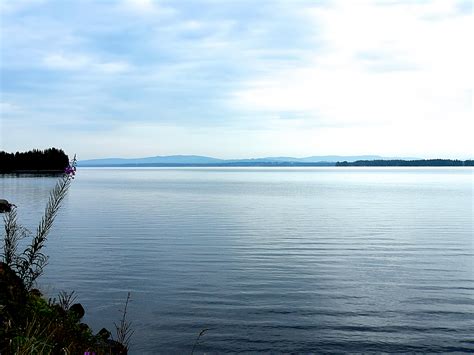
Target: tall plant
<point>30,263</point>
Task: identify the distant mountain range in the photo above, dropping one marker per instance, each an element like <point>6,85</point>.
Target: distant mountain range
<point>197,160</point>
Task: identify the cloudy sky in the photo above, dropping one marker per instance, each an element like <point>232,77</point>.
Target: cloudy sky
<point>235,79</point>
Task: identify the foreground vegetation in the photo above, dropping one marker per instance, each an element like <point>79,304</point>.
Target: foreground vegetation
<point>30,323</point>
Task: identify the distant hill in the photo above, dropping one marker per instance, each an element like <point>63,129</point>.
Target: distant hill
<point>197,160</point>
<point>172,159</point>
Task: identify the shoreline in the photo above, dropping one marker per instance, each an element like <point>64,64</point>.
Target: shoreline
<point>32,172</point>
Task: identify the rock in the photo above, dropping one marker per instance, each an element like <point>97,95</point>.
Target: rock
<point>84,327</point>
<point>13,293</point>
<point>104,334</point>
<point>36,292</point>
<point>117,348</point>
<point>5,206</point>
<point>77,310</point>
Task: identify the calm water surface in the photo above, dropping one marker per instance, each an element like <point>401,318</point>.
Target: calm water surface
<point>269,259</point>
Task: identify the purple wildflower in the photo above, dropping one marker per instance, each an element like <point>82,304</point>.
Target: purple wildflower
<point>70,170</point>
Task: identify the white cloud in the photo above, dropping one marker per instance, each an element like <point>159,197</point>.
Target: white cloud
<point>60,61</point>
<point>113,67</point>
<point>63,62</point>
<point>399,66</point>
<point>7,108</point>
<point>8,7</point>
<point>287,78</point>
<point>147,8</point>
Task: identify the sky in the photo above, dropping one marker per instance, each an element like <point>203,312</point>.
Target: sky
<point>237,79</point>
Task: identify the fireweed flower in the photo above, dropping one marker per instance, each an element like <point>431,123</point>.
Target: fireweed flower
<point>70,170</point>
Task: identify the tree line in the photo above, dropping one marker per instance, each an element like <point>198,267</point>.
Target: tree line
<point>399,162</point>
<point>36,160</point>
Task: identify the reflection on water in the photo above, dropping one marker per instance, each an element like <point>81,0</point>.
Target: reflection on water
<point>270,259</point>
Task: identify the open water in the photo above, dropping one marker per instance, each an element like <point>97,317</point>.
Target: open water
<point>302,260</point>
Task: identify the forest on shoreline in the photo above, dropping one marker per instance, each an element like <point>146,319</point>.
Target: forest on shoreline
<point>414,163</point>
<point>51,160</point>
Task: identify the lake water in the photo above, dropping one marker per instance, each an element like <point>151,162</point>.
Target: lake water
<point>306,260</point>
